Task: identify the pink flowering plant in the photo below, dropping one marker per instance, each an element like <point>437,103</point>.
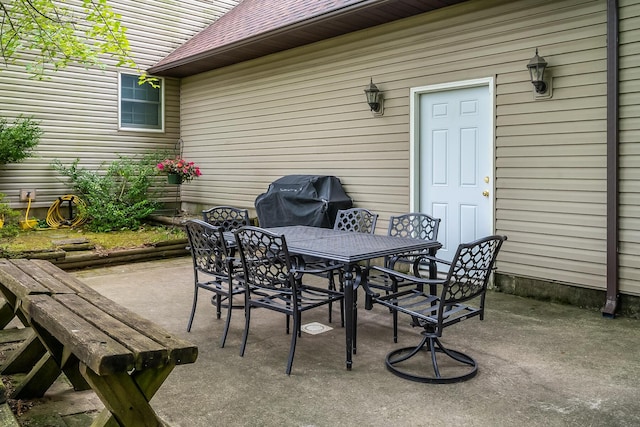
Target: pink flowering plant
<point>186,170</point>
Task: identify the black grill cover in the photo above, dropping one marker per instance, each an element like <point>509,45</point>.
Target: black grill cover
<point>302,200</point>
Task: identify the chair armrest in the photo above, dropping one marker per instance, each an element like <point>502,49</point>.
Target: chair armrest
<point>422,257</point>
<point>299,268</point>
<point>396,276</point>
<point>305,270</point>
<point>406,276</point>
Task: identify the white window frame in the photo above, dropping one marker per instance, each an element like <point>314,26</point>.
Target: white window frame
<point>162,107</point>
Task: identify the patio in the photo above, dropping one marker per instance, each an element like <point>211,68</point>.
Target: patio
<point>540,364</point>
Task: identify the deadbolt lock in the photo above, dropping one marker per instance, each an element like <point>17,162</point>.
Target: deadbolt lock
<point>486,179</point>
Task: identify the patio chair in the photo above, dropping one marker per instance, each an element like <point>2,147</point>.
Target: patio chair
<point>272,281</point>
<point>213,269</point>
<point>227,217</point>
<point>357,220</point>
<point>230,219</point>
<point>466,280</point>
<point>417,226</point>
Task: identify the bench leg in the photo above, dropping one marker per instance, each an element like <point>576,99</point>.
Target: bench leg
<point>39,379</point>
<point>6,314</point>
<point>126,397</point>
<point>25,356</point>
<point>66,361</point>
<point>42,368</point>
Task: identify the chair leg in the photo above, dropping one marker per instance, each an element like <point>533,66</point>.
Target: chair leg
<point>288,321</point>
<point>294,339</point>
<point>395,326</point>
<point>245,334</point>
<point>218,306</point>
<point>193,308</point>
<point>341,280</point>
<point>332,287</point>
<point>355,321</point>
<point>227,322</point>
<point>432,345</point>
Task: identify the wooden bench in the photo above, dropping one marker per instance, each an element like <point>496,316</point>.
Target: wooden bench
<point>96,342</point>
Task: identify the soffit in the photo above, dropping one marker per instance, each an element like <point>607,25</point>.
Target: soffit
<point>257,28</point>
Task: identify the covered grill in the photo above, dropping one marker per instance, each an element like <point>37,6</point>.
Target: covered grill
<point>302,200</point>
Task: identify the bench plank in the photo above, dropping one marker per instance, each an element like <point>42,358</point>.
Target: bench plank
<point>18,282</point>
<point>93,347</point>
<point>147,352</point>
<point>67,279</point>
<point>180,351</point>
<point>41,276</point>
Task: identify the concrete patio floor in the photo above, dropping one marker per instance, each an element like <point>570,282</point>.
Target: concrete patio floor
<point>540,364</point>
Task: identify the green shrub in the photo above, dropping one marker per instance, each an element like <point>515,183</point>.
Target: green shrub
<point>18,141</point>
<point>117,198</point>
<point>9,217</point>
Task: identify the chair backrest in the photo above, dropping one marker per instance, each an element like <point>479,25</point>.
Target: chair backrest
<point>266,262</point>
<point>358,220</point>
<point>415,225</point>
<point>227,217</point>
<point>208,248</point>
<point>470,270</point>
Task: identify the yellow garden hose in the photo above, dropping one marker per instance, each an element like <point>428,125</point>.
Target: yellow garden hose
<point>27,223</point>
<point>55,218</point>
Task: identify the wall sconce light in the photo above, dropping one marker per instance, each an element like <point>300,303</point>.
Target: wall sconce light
<point>537,66</point>
<point>374,99</point>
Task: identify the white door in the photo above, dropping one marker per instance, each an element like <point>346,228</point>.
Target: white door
<point>456,163</point>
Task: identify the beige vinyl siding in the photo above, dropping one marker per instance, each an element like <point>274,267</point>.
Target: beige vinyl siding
<point>78,108</point>
<point>629,184</point>
<point>303,112</point>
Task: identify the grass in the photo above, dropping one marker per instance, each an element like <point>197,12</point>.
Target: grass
<point>43,239</point>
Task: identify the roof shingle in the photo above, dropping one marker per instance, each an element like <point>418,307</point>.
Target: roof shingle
<point>255,28</point>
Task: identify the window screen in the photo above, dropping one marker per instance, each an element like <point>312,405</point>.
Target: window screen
<point>140,105</point>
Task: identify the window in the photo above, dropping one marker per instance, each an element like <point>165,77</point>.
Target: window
<point>141,106</point>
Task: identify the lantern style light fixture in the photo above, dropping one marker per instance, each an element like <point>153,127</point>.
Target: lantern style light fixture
<point>537,66</point>
<point>375,99</point>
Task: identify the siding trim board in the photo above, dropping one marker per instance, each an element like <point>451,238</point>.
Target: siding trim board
<point>611,303</point>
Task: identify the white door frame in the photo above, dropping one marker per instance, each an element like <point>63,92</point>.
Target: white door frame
<point>414,135</point>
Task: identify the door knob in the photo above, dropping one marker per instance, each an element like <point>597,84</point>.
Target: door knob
<point>485,193</point>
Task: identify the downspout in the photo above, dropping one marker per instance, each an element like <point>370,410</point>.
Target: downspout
<point>611,303</point>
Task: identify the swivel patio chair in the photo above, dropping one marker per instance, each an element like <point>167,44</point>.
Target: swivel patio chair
<point>272,281</point>
<point>213,269</point>
<point>466,280</point>
<point>414,225</point>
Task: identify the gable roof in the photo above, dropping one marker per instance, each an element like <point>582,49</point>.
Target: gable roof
<point>256,28</point>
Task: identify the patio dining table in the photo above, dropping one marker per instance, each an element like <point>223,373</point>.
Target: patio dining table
<point>349,249</point>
